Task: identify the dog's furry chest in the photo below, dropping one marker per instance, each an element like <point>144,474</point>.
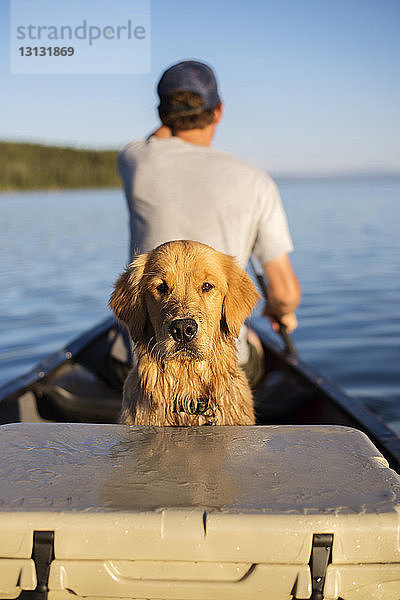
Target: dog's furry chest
<point>180,386</point>
<point>185,393</point>
<point>175,379</point>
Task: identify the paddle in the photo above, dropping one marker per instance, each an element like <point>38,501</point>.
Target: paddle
<point>289,346</point>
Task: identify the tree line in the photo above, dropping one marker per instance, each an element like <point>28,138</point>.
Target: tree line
<point>36,166</point>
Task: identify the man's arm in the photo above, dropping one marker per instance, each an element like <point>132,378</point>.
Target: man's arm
<point>284,292</point>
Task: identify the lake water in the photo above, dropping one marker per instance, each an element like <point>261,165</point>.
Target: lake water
<point>61,251</point>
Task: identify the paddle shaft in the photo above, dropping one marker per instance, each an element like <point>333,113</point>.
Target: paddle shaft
<point>289,346</point>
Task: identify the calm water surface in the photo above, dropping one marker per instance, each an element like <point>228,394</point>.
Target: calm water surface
<point>61,251</point>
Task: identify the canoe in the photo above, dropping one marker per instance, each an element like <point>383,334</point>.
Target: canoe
<point>82,383</point>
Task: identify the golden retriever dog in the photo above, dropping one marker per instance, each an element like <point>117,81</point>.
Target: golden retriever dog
<point>184,304</point>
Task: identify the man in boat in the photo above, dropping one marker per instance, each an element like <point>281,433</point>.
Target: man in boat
<point>178,187</point>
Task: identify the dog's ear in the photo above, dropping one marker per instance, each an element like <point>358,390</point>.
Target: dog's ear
<point>240,298</point>
<point>127,300</point>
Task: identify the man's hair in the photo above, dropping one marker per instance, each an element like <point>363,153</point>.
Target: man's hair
<point>181,102</point>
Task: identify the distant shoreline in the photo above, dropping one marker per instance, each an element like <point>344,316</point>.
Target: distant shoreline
<point>339,178</point>
<point>39,167</point>
<point>35,167</point>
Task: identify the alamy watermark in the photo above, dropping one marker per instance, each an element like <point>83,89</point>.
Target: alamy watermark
<point>85,36</point>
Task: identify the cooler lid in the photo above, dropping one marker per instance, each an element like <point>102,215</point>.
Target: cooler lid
<point>236,494</point>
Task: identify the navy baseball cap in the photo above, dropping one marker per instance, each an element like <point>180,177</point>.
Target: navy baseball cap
<point>192,76</point>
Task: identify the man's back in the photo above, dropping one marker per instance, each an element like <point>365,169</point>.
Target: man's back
<point>179,190</point>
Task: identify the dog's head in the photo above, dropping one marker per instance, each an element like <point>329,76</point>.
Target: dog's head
<point>177,298</point>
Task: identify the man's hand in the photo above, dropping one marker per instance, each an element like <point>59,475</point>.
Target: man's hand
<point>289,321</point>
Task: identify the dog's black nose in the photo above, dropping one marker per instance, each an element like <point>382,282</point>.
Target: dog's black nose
<point>183,330</point>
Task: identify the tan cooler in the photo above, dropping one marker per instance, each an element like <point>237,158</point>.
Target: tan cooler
<point>203,513</point>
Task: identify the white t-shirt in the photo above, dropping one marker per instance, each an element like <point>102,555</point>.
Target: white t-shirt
<point>176,190</point>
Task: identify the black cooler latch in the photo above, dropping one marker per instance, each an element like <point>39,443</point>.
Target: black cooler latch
<point>42,555</point>
<point>321,556</point>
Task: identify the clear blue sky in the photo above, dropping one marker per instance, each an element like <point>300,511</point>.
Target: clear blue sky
<point>309,86</point>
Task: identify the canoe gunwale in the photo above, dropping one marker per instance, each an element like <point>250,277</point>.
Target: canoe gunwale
<point>11,390</point>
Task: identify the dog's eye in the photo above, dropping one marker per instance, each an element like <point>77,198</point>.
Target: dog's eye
<point>162,288</point>
<point>206,287</point>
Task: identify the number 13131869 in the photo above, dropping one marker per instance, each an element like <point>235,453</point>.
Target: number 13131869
<point>46,51</point>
